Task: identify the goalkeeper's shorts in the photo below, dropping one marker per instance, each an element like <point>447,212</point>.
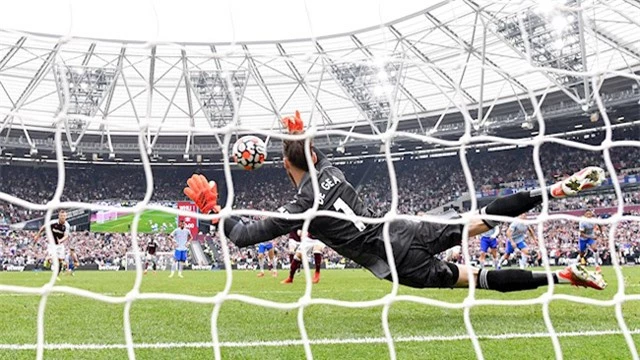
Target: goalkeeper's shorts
<point>420,267</point>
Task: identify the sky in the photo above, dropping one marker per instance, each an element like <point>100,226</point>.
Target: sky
<point>196,21</point>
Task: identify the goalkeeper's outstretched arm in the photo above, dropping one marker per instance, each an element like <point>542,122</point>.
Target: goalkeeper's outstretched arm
<point>245,234</point>
<point>242,233</point>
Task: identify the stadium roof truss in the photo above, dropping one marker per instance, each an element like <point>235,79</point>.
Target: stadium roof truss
<point>456,57</point>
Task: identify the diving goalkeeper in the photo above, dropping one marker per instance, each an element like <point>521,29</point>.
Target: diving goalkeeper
<point>415,244</point>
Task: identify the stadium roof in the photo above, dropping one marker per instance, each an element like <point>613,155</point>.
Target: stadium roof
<point>453,56</point>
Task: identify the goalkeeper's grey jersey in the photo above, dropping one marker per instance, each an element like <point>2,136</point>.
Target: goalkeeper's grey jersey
<point>354,239</point>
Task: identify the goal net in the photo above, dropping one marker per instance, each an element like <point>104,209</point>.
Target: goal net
<point>456,79</point>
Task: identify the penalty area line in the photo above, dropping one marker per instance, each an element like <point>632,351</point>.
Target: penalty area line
<point>366,340</point>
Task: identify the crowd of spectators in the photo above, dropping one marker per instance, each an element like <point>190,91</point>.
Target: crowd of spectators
<point>19,247</point>
<point>422,185</point>
<point>560,238</point>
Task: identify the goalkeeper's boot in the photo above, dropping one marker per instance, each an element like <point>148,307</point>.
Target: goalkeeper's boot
<point>261,274</point>
<point>578,275</point>
<point>587,178</point>
<point>316,277</point>
<point>287,281</point>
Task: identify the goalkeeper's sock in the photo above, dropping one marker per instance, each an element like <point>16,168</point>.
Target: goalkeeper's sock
<point>294,267</point>
<point>317,261</point>
<point>180,266</point>
<point>513,280</point>
<point>261,263</point>
<point>173,267</point>
<point>512,205</point>
<point>274,264</point>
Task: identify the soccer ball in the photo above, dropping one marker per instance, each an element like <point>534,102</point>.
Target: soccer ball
<point>249,152</point>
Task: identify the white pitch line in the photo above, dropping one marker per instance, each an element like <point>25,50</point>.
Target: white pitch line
<point>204,293</point>
<point>367,340</point>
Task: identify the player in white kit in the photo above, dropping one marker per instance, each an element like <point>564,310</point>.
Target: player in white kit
<point>182,237</point>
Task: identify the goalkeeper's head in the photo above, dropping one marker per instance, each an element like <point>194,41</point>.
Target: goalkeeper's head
<point>295,160</point>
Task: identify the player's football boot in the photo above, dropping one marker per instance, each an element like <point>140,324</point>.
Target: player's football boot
<point>171,275</point>
<point>598,270</point>
<point>316,278</point>
<point>144,272</point>
<point>261,274</point>
<point>587,178</point>
<point>287,281</point>
<point>180,275</point>
<point>274,273</point>
<point>578,275</point>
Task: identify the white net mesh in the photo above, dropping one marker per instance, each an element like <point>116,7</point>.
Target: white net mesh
<point>403,55</point>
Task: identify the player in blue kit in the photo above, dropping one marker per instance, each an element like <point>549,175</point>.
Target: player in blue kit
<point>72,262</point>
<point>517,233</point>
<point>182,237</point>
<point>489,242</point>
<point>587,239</point>
<point>267,247</point>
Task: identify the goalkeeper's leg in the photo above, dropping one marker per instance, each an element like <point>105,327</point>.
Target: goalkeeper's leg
<point>517,279</point>
<point>421,269</point>
<point>516,204</point>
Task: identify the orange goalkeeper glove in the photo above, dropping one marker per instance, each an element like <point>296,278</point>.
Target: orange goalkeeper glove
<point>294,123</point>
<point>203,193</point>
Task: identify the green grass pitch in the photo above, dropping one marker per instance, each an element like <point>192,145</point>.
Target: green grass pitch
<point>123,223</point>
<point>72,319</point>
